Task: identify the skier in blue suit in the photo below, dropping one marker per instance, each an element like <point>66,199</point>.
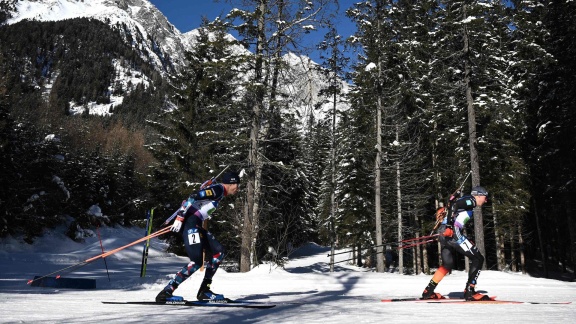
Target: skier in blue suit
<point>190,216</point>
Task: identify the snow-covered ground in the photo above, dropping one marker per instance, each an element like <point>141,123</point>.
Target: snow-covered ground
<point>305,290</point>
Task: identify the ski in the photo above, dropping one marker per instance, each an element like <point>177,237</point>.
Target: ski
<point>409,299</point>
<point>495,301</point>
<point>227,303</point>
<point>234,303</point>
<point>492,300</point>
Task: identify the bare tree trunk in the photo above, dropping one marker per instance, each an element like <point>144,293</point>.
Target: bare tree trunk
<point>419,258</point>
<point>500,251</point>
<point>478,221</point>
<point>417,250</point>
<point>377,173</point>
<point>521,243</point>
<point>399,207</point>
<point>425,264</point>
<point>359,256</point>
<point>333,181</point>
<point>332,245</point>
<point>250,226</point>
<point>437,203</point>
<point>354,259</point>
<point>414,257</point>
<point>500,254</point>
<point>251,210</point>
<point>512,235</point>
<point>542,250</point>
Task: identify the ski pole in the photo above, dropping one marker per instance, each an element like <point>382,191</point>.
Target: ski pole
<point>103,255</point>
<point>102,248</point>
<point>418,238</point>
<point>396,243</point>
<point>399,248</point>
<point>158,233</point>
<point>147,243</point>
<point>415,244</point>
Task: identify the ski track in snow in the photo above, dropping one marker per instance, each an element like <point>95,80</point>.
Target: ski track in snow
<point>305,290</point>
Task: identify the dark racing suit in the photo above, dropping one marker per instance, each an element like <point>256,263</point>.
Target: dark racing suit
<point>461,212</point>
<point>196,209</point>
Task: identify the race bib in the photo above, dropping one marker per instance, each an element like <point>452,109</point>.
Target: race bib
<point>193,237</point>
<point>466,245</point>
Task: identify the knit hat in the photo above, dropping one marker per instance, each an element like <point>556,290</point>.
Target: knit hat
<point>230,177</point>
<point>479,191</point>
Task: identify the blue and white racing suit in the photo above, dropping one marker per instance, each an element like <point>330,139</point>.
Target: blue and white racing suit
<point>461,212</point>
<point>197,208</point>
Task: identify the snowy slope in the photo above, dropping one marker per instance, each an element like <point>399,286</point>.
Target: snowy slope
<point>310,293</point>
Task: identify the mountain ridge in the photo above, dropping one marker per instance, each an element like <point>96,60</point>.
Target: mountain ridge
<point>143,20</point>
<point>161,44</point>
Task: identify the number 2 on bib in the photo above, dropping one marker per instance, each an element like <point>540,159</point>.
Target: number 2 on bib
<point>193,238</point>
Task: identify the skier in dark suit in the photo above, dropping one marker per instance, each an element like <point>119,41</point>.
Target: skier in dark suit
<point>453,241</point>
<point>192,213</point>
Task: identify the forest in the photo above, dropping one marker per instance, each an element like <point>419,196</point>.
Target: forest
<point>443,96</point>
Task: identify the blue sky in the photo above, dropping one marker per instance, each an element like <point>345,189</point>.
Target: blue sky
<point>187,15</point>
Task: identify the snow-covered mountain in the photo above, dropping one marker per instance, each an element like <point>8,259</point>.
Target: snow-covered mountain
<point>303,82</point>
<point>162,44</point>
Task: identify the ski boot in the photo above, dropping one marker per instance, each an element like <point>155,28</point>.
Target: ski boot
<point>429,293</point>
<point>470,294</point>
<point>166,296</point>
<point>205,294</point>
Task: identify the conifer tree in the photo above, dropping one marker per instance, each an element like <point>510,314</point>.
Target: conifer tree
<point>204,134</point>
<point>335,65</point>
<point>550,128</point>
<point>394,69</point>
<point>269,29</point>
<point>372,82</point>
<point>473,34</point>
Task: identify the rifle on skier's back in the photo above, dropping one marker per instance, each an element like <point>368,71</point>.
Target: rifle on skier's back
<point>204,185</point>
<point>442,211</point>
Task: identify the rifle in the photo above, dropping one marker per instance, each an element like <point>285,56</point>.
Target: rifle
<point>211,180</point>
<point>204,185</point>
<point>442,210</point>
